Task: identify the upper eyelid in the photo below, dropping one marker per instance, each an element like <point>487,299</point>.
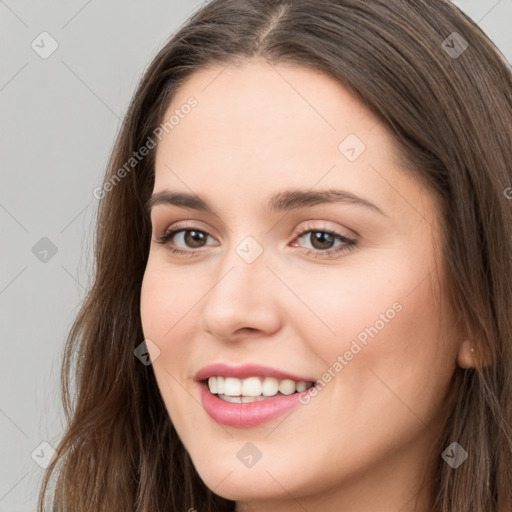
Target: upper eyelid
<point>298,232</point>
<point>177,226</point>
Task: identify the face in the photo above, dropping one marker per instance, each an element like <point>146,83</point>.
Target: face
<point>339,289</point>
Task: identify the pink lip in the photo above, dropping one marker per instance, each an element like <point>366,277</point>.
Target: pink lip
<point>246,370</point>
<point>244,415</point>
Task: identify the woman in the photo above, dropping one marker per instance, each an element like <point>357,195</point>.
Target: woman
<point>304,258</point>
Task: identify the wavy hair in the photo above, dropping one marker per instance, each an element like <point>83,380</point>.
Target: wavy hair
<point>451,117</point>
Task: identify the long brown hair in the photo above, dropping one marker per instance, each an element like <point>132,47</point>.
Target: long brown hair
<point>450,109</point>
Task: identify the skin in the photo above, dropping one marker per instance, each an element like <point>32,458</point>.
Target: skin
<point>368,437</point>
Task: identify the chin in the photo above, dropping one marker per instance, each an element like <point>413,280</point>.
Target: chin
<point>231,480</point>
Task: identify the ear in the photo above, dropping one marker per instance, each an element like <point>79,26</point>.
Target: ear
<point>466,357</point>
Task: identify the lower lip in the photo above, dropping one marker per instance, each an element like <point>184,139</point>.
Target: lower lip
<point>244,415</point>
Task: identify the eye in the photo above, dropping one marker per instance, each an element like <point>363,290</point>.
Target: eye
<point>194,238</point>
<point>322,240</point>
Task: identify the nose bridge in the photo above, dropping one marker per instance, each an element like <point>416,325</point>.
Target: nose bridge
<point>240,296</point>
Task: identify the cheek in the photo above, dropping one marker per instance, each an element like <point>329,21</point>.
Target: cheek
<point>153,304</point>
<point>170,306</point>
<point>167,298</point>
<point>404,367</point>
<point>374,307</point>
<point>166,306</point>
<point>389,344</point>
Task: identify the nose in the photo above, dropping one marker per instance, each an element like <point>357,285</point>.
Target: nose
<point>242,301</point>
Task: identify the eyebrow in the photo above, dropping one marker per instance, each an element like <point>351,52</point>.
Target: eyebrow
<point>282,201</point>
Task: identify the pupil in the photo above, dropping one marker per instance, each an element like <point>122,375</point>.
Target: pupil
<point>320,237</point>
<point>192,237</point>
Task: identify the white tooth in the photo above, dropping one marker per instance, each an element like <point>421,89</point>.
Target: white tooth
<point>220,385</point>
<point>254,387</point>
<point>287,386</point>
<point>232,386</point>
<point>251,386</point>
<point>241,399</point>
<point>300,386</point>
<point>234,399</point>
<point>248,399</point>
<point>212,384</point>
<point>270,386</point>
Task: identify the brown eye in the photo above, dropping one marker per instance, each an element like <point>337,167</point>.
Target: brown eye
<point>321,240</point>
<point>183,240</point>
<point>194,238</point>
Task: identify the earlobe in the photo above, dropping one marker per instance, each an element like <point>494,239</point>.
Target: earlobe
<point>467,356</point>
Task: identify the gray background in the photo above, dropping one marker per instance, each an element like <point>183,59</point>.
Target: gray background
<point>59,118</point>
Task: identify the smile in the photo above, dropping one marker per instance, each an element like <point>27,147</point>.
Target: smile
<point>253,389</point>
<point>251,394</point>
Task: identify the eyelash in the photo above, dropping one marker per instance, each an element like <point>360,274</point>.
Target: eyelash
<point>349,244</point>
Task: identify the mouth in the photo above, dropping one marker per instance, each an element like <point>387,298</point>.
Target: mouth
<point>254,388</point>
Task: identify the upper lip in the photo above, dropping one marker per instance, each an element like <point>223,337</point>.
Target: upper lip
<point>246,370</point>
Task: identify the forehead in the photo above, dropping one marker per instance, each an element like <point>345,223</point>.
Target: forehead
<point>259,127</point>
<point>255,101</point>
